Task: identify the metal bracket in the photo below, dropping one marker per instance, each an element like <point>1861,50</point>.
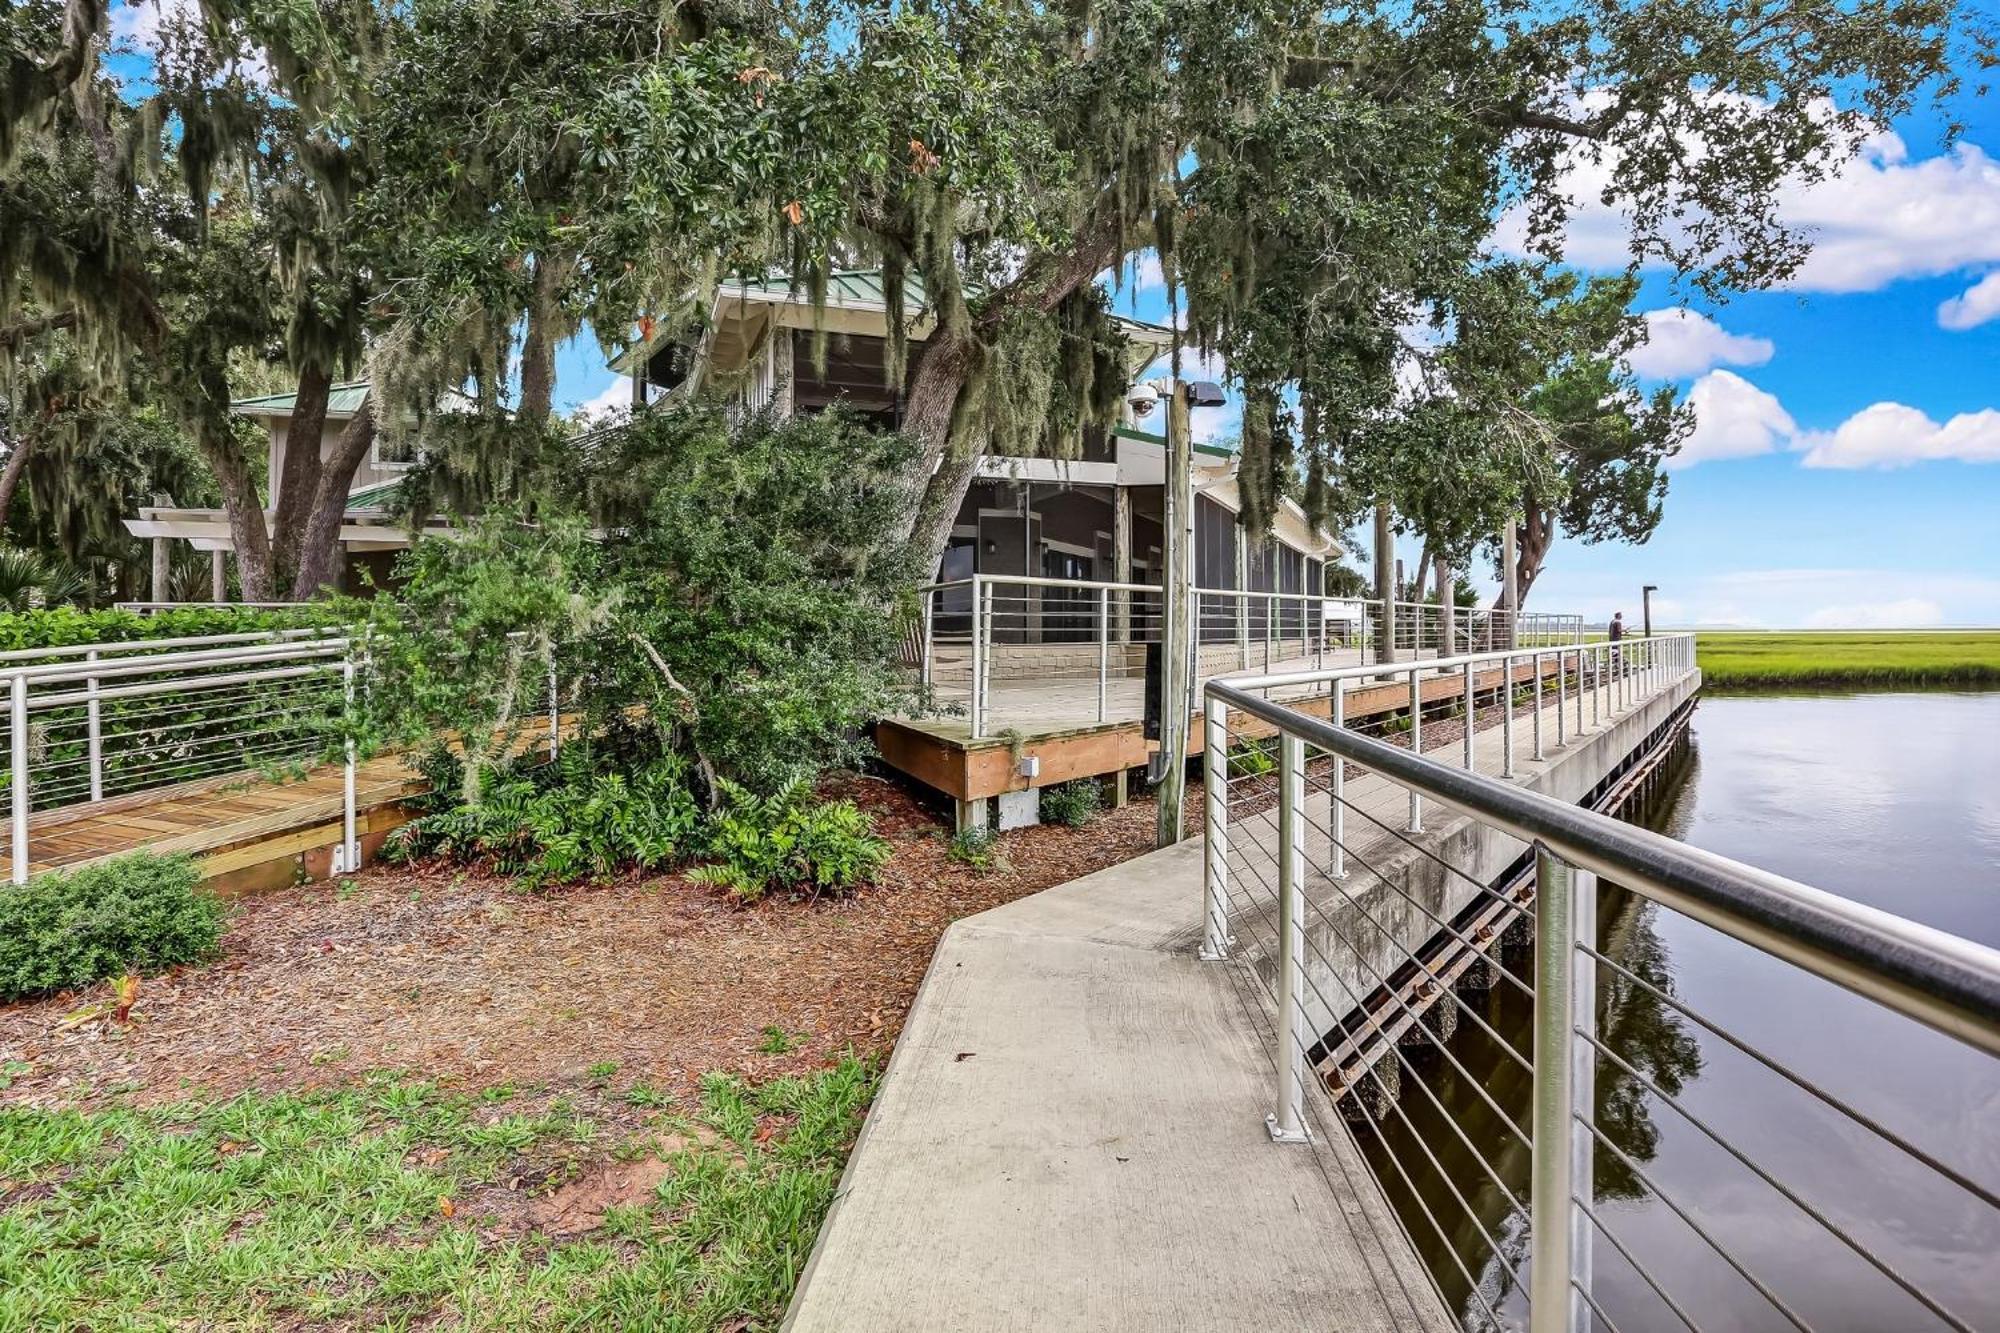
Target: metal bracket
<point>1280,1135</point>
<point>340,866</point>
<point>1208,955</point>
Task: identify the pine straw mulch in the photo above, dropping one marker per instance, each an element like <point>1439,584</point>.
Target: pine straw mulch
<point>470,981</point>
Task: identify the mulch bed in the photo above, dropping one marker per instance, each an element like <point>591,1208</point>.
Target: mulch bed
<point>473,982</point>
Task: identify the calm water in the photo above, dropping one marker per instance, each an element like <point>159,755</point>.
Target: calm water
<point>1891,799</point>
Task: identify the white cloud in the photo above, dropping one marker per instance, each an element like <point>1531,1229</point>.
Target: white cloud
<point>1733,419</point>
<point>1882,216</point>
<point>614,399</point>
<point>1903,613</point>
<point>1972,307</point>
<point>1892,435</point>
<point>1681,342</point>
<point>1854,598</point>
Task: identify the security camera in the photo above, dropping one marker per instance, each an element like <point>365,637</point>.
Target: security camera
<point>1142,399</point>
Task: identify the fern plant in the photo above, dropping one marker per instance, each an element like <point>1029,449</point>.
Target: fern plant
<point>789,840</point>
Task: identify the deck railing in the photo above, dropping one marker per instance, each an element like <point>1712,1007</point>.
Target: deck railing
<point>1045,652</point>
<point>1363,933</point>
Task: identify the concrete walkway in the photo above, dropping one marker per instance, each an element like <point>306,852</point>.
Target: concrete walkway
<point>1069,1136</point>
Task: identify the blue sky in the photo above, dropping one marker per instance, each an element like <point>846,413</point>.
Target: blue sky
<point>1845,470</point>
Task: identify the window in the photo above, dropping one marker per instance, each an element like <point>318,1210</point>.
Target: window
<point>395,451</point>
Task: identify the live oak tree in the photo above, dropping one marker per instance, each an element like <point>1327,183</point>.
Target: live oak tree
<point>1523,409</point>
<point>1316,178</point>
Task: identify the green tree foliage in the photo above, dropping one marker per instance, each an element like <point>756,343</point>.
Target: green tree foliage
<point>72,928</point>
<point>758,569</point>
<point>467,648</point>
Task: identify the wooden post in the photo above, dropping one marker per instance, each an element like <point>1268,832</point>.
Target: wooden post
<point>1447,612</point>
<point>1385,587</point>
<point>1510,580</point>
<point>1121,556</point>
<point>160,568</point>
<point>218,576</point>
<point>1174,597</point>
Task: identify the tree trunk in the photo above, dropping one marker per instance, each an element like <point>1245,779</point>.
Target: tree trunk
<point>10,479</point>
<point>945,367</point>
<point>538,349</point>
<point>298,480</point>
<point>247,530</point>
<point>1385,586</point>
<point>320,546</point>
<point>1538,534</point>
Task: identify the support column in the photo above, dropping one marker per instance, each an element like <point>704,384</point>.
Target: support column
<point>218,575</point>
<point>1510,581</point>
<point>1121,556</point>
<point>1385,587</point>
<point>160,568</point>
<point>1447,612</point>
<point>1174,597</point>
<point>1242,553</point>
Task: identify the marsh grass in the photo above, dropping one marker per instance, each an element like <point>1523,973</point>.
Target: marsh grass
<point>1886,658</point>
<point>376,1207</point>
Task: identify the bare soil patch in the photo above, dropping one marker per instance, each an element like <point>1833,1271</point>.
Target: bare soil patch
<point>473,982</point>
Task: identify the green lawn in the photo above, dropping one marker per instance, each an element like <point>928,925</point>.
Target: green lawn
<point>1750,660</point>
<point>397,1204</point>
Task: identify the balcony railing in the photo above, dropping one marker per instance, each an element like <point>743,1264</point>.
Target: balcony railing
<point>1321,882</point>
<point>1041,654</point>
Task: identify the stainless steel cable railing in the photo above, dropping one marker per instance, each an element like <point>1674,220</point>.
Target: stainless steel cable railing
<point>1365,929</point>
<point>1010,650</point>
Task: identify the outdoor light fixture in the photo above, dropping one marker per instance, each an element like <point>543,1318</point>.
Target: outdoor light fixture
<point>1204,393</point>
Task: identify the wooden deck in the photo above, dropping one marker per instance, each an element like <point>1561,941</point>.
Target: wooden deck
<point>246,831</point>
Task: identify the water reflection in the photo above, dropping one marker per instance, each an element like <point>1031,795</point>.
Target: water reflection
<point>1768,781</point>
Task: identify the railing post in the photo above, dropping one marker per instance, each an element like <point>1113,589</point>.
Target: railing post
<point>1507,717</point>
<point>555,709</point>
<point>1471,702</point>
<point>1215,843</point>
<point>94,725</point>
<point>1583,1088</point>
<point>1103,652</point>
<point>1562,698</point>
<point>1416,748</point>
<point>1538,705</point>
<point>1551,1159</point>
<point>979,649</point>
<point>930,636</point>
<point>1600,662</point>
<point>350,849</point>
<point>1337,787</point>
<point>1269,602</point>
<point>17,720</point>
<point>1287,1122</point>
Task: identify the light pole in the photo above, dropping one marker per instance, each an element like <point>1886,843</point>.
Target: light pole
<point>1177,673</point>
<point>1646,606</point>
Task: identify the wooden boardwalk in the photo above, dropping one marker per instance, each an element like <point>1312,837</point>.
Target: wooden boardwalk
<point>231,824</point>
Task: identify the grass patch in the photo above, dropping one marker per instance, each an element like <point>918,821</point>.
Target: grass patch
<point>388,1205</point>
<point>1767,661</point>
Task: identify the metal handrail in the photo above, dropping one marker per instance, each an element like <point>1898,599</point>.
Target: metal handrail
<point>1928,976</point>
<point>1934,977</point>
<point>116,647</point>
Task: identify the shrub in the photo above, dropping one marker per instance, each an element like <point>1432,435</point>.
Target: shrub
<point>762,578</point>
<point>69,928</point>
<point>1252,759</point>
<point>1072,803</point>
<point>789,841</point>
<point>564,824</point>
<point>976,847</point>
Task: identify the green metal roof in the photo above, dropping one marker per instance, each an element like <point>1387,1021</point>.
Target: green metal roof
<point>342,400</point>
<point>1148,437</point>
<point>864,286</point>
<point>380,498</point>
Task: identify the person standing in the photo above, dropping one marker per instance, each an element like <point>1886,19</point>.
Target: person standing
<point>1614,632</point>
